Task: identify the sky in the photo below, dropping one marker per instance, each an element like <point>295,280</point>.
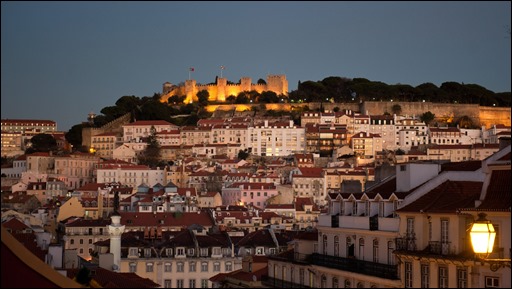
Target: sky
<point>62,60</point>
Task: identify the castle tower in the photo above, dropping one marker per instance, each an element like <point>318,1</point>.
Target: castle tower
<point>277,84</point>
<point>190,91</point>
<point>221,88</point>
<point>166,88</point>
<point>245,84</point>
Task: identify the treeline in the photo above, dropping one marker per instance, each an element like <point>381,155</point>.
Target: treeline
<point>340,89</point>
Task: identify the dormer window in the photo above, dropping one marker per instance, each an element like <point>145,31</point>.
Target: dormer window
<point>190,252</point>
<point>180,252</point>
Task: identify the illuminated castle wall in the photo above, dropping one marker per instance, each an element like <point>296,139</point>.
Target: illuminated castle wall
<point>222,90</point>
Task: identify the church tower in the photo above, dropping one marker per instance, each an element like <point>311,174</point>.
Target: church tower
<point>115,230</point>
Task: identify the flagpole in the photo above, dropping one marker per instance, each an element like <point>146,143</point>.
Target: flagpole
<point>221,69</point>
<point>189,70</point>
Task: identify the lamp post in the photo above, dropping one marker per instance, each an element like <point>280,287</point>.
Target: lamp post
<point>482,235</point>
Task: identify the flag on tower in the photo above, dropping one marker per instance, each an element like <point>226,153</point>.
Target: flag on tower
<point>222,67</point>
<point>191,68</point>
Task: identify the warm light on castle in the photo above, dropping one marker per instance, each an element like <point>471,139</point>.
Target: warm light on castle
<point>221,90</point>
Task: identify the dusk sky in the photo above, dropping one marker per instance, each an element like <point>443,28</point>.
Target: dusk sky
<point>62,60</point>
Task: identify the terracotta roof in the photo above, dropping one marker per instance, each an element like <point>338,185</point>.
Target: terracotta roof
<point>166,219</point>
<point>308,235</point>
<point>448,197</point>
<point>248,276</point>
<point>257,238</point>
<point>505,157</point>
<point>462,166</point>
<point>497,196</point>
<point>30,242</point>
<point>15,225</point>
<point>109,279</point>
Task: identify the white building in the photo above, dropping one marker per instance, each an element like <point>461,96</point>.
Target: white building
<point>276,139</point>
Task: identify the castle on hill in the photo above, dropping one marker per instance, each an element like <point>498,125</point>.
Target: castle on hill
<point>221,90</point>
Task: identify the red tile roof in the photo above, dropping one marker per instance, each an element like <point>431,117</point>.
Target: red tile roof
<point>448,197</point>
<point>166,219</point>
<point>109,279</point>
<point>15,225</point>
<point>497,197</point>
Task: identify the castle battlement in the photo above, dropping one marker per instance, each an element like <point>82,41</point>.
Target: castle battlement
<point>220,90</point>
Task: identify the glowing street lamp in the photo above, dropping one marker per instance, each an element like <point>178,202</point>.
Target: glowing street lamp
<point>482,235</point>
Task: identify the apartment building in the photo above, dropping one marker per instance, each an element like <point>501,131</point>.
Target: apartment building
<point>434,246</point>
<point>275,139</point>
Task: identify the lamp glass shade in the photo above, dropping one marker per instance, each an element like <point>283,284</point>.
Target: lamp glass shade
<point>482,237</point>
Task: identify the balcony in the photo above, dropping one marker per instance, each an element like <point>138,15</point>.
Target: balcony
<point>356,266</point>
<point>359,222</point>
<point>438,248</point>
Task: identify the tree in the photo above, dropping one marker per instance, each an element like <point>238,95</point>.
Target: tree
<point>43,143</point>
<point>243,154</point>
<point>202,97</point>
<point>396,109</point>
<point>83,276</point>
<point>231,99</point>
<point>261,81</point>
<point>176,99</point>
<point>427,117</point>
<point>74,135</point>
<point>151,155</point>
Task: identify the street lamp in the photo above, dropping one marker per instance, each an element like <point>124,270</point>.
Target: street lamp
<point>482,235</point>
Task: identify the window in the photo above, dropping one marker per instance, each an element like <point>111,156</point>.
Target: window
<point>462,277</point>
<point>301,276</point>
<point>133,267</point>
<point>133,252</point>
<point>492,282</point>
<point>229,267</point>
<point>72,241</point>
<point>361,248</point>
<point>336,246</point>
<point>324,247</point>
<point>376,251</point>
<point>147,252</point>
<point>168,267</point>
<point>425,275</point>
<point>192,283</point>
<point>81,241</point>
<point>179,267</point>
<point>190,252</point>
<point>179,283</point>
<point>90,241</point>
<point>408,275</point>
<point>391,256</point>
<point>204,283</point>
<point>444,231</point>
<point>334,282</point>
<point>192,266</point>
<point>360,285</point>
<point>204,252</point>
<point>350,247</point>
<point>204,267</point>
<point>347,284</point>
<point>180,251</point>
<point>216,267</point>
<point>323,282</point>
<point>167,283</point>
<point>443,277</point>
<point>149,267</point>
